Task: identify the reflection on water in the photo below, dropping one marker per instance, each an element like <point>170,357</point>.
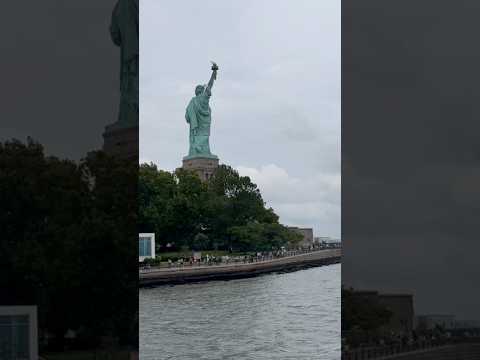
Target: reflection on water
<point>278,316</point>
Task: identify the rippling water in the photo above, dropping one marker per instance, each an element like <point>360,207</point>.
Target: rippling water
<point>277,316</point>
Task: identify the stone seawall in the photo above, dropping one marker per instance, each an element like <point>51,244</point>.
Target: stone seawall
<point>236,271</point>
<point>460,351</point>
<point>448,352</point>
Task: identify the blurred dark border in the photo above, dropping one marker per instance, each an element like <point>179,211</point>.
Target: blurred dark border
<point>410,169</point>
<point>67,209</point>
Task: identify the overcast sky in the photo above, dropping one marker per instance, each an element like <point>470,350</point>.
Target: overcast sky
<point>275,105</point>
<point>411,154</point>
<point>60,74</point>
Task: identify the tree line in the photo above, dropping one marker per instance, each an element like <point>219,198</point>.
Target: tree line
<point>226,212</point>
<point>68,242</point>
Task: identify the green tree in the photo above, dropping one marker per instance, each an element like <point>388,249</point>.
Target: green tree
<point>110,225</point>
<point>171,205</point>
<point>57,218</point>
<point>362,313</point>
<point>227,212</point>
<point>234,201</point>
<point>261,236</point>
<point>156,189</point>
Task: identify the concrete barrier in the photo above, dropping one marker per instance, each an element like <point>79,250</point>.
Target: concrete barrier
<point>445,352</point>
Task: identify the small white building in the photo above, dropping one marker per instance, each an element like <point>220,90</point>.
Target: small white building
<point>18,332</point>
<point>146,246</point>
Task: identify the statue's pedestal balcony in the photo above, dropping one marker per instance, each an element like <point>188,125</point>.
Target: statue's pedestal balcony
<point>203,166</point>
<point>121,141</point>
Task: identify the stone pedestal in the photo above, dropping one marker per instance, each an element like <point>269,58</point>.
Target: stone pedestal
<point>204,167</point>
<point>121,142</point>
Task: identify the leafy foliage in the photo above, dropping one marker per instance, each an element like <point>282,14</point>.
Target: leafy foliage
<point>261,236</point>
<point>66,240</point>
<point>227,212</point>
<point>362,313</point>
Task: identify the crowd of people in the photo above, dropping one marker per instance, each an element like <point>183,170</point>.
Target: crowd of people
<point>390,343</point>
<point>206,259</point>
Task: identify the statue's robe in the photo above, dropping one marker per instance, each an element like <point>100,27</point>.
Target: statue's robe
<point>198,115</point>
<point>124,33</point>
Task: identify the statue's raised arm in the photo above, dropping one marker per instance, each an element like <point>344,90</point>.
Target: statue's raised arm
<point>213,77</point>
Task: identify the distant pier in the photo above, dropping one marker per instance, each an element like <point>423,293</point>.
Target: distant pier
<point>187,274</point>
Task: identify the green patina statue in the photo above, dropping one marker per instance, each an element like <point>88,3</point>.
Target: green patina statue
<point>198,115</point>
<point>124,33</point>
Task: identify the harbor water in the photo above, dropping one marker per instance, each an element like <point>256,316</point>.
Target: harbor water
<point>290,316</point>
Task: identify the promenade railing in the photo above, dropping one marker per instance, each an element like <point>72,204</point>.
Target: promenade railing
<point>375,352</point>
<point>231,259</point>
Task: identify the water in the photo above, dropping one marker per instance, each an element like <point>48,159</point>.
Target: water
<point>278,316</point>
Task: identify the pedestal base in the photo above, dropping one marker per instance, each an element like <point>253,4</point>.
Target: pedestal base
<point>204,167</point>
<point>121,142</point>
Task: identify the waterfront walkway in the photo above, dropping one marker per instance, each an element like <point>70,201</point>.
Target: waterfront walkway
<point>455,349</point>
<point>224,271</point>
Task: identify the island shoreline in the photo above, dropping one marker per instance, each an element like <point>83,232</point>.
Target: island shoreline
<point>239,271</point>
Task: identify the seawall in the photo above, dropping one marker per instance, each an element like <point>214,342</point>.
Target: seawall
<point>447,352</point>
<point>456,349</point>
<point>236,271</point>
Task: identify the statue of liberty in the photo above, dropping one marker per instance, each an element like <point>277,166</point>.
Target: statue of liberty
<point>124,33</point>
<point>198,115</point>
